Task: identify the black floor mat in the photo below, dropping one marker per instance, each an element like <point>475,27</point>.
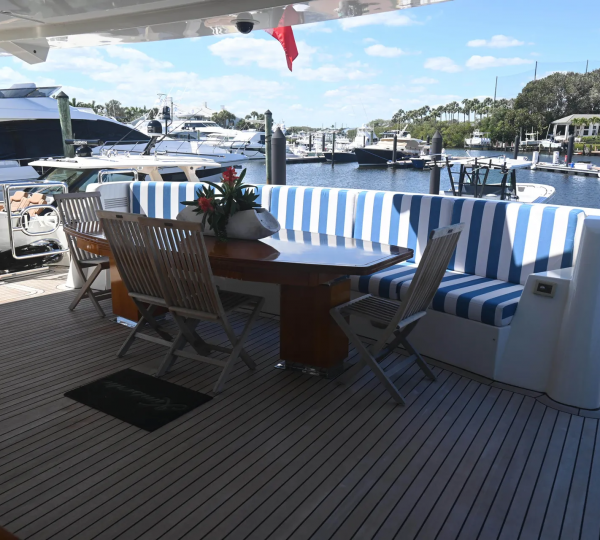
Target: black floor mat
<point>138,399</point>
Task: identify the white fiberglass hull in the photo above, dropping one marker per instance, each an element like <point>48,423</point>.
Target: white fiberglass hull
<point>526,193</point>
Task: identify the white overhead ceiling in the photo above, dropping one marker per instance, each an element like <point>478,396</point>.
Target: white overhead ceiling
<point>29,28</point>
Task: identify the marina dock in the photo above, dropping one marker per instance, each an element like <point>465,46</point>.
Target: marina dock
<point>312,159</point>
<point>563,169</point>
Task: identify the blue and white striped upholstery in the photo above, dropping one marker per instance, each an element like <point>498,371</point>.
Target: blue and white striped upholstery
<point>509,241</point>
<point>501,245</point>
<point>400,219</point>
<point>481,299</point>
<point>264,195</point>
<point>163,199</point>
<point>314,209</point>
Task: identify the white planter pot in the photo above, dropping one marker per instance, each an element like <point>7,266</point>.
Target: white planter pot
<point>246,225</point>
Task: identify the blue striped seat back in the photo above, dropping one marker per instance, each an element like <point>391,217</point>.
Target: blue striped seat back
<point>163,199</point>
<point>510,240</point>
<point>401,219</point>
<point>314,209</point>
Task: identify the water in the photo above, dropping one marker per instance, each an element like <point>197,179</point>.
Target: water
<point>571,190</point>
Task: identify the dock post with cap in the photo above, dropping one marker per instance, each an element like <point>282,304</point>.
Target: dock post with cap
<point>268,134</point>
<point>278,167</point>
<point>436,152</point>
<point>64,113</point>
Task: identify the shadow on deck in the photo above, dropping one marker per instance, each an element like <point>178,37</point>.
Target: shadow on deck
<point>277,454</point>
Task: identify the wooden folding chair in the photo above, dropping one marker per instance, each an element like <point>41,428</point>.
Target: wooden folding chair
<point>184,273</point>
<point>134,263</point>
<point>78,211</point>
<point>398,319</point>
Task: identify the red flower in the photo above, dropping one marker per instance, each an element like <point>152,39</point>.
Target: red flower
<point>205,204</point>
<point>229,176</point>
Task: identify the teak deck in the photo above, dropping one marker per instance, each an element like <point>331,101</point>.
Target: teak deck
<point>277,454</point>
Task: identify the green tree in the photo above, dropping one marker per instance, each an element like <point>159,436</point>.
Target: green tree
<point>224,118</point>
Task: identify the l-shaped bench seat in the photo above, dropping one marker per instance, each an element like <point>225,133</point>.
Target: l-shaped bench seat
<point>503,243</point>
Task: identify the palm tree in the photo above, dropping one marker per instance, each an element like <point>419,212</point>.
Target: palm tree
<point>488,104</point>
<point>475,107</point>
<point>438,112</point>
<point>466,108</point>
<point>399,116</point>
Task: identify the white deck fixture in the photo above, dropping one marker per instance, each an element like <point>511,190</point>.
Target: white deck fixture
<point>576,369</point>
<point>31,30</point>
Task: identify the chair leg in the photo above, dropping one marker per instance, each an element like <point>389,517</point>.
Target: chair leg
<point>231,360</point>
<point>146,317</point>
<point>367,357</point>
<point>86,290</point>
<point>419,359</point>
<point>252,319</point>
<point>169,358</point>
<point>238,349</point>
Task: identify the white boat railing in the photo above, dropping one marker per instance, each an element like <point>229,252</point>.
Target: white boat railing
<point>22,217</point>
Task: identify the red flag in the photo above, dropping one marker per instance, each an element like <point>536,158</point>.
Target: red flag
<point>285,35</point>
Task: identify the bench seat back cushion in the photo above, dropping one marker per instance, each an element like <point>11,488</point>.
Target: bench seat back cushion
<point>163,199</point>
<point>401,219</point>
<point>510,240</point>
<point>314,209</point>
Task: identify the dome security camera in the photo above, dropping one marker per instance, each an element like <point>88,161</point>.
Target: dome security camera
<point>244,23</point>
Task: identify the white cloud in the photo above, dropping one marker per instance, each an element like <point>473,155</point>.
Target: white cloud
<point>136,79</point>
<point>268,54</point>
<point>369,40</point>
<point>334,73</point>
<point>483,62</point>
<point>424,80</point>
<point>383,51</point>
<point>300,107</point>
<point>393,18</point>
<point>133,55</point>
<point>313,28</point>
<point>442,63</point>
<point>497,42</point>
<point>359,103</point>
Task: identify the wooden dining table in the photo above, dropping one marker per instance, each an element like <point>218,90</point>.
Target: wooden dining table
<point>312,271</point>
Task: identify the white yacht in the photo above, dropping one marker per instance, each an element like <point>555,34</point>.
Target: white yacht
<point>365,135</point>
<point>30,231</point>
<point>478,141</point>
<point>382,152</point>
<point>30,125</point>
<point>248,143</point>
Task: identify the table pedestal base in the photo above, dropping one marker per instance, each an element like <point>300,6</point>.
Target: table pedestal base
<point>325,373</point>
<point>311,341</point>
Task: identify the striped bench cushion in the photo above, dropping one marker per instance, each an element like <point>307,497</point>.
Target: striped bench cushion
<point>314,209</point>
<point>401,219</point>
<point>509,241</point>
<point>163,199</point>
<point>481,299</point>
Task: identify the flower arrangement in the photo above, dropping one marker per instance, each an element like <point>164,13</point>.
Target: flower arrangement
<point>218,202</point>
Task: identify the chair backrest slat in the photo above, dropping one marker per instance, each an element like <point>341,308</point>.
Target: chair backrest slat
<point>431,270</point>
<point>182,265</point>
<point>133,259</point>
<point>79,211</point>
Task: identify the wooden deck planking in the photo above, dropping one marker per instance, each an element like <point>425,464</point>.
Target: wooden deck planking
<point>278,454</point>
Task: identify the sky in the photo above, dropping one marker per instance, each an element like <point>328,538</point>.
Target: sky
<point>348,71</point>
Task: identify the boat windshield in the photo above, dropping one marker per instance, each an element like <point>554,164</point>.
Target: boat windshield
<point>79,179</point>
